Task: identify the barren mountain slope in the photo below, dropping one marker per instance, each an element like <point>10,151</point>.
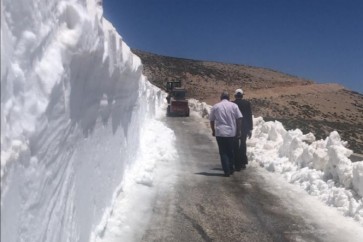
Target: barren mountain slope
<point>296,102</point>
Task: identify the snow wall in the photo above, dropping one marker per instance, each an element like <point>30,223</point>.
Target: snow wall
<point>73,100</point>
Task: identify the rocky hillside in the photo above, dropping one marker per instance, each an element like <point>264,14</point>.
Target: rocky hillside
<point>296,102</point>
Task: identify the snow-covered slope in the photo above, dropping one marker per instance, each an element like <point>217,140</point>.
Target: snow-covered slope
<point>73,106</point>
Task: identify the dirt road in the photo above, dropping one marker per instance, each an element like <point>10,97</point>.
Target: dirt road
<point>206,206</point>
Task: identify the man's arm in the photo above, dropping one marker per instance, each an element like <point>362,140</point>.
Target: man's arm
<point>239,127</point>
<point>238,116</point>
<point>212,119</point>
<point>212,127</point>
<point>250,120</point>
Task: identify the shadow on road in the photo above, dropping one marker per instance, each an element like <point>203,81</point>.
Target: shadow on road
<point>217,169</point>
<point>209,174</point>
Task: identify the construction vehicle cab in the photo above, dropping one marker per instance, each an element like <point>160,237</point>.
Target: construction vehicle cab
<point>169,86</point>
<point>177,103</point>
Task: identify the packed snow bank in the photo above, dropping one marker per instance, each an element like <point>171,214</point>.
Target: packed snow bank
<point>73,104</point>
<point>321,167</point>
<point>153,170</point>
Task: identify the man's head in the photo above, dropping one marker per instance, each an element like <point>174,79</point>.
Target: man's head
<point>224,95</point>
<point>238,93</point>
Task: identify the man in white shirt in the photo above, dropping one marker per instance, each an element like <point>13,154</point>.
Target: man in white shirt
<point>226,121</point>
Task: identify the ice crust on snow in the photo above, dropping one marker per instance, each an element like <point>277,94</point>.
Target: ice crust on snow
<point>321,167</point>
<point>74,104</point>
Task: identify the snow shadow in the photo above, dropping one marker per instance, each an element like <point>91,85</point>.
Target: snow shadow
<point>209,174</point>
<point>92,95</point>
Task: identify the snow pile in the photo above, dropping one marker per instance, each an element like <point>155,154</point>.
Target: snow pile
<point>73,104</point>
<point>130,213</point>
<point>202,108</point>
<point>321,167</point>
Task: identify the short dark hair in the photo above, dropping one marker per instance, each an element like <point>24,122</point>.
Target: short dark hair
<point>224,95</point>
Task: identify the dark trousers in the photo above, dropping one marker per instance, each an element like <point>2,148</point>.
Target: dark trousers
<point>225,146</point>
<point>240,150</point>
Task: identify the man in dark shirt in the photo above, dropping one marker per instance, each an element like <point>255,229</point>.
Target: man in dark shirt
<point>240,147</point>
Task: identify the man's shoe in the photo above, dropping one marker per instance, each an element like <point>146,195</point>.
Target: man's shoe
<point>226,175</point>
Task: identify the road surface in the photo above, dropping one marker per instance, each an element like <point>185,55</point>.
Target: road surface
<point>206,206</point>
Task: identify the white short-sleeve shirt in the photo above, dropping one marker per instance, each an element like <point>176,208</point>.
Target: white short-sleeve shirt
<point>224,115</point>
